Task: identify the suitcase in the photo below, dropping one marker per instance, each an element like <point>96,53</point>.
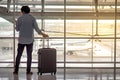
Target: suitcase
<point>47,60</point>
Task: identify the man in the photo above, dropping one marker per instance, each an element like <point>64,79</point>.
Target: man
<point>26,24</point>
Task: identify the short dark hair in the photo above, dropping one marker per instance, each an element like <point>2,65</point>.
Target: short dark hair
<point>25,9</point>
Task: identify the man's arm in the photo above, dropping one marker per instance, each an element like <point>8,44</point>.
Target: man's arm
<point>38,30</point>
<point>18,24</point>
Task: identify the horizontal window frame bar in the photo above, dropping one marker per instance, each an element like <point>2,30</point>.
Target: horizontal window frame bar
<point>63,62</point>
<point>66,38</point>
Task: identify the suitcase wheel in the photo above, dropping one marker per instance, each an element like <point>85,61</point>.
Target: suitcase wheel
<point>53,73</point>
<point>39,72</point>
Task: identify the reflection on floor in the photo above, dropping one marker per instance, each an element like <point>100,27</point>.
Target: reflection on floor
<point>62,74</point>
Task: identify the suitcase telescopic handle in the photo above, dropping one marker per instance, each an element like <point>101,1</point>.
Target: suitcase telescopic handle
<point>47,42</point>
<point>47,39</point>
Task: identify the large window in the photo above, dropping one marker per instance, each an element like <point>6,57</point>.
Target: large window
<point>85,33</point>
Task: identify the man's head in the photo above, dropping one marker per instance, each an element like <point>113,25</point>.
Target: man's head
<point>25,9</point>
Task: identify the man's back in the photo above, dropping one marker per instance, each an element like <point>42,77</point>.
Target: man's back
<point>25,26</point>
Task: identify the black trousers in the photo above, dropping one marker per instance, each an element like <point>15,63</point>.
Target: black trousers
<point>29,49</point>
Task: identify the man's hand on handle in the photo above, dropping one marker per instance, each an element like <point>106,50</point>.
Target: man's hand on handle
<point>44,35</point>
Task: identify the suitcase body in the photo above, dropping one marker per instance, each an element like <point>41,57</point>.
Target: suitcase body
<point>47,60</point>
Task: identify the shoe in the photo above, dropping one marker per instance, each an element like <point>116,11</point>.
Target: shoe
<point>29,72</point>
<point>15,72</point>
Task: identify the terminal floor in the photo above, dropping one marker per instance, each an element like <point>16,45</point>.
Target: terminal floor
<point>62,74</point>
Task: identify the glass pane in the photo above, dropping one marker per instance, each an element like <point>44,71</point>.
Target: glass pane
<point>118,27</point>
<point>103,50</point>
<point>105,28</point>
<point>35,5</point>
<point>78,50</point>
<point>6,52</point>
<point>6,46</point>
<point>78,28</point>
<point>54,28</point>
<point>117,58</point>
<point>6,28</point>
